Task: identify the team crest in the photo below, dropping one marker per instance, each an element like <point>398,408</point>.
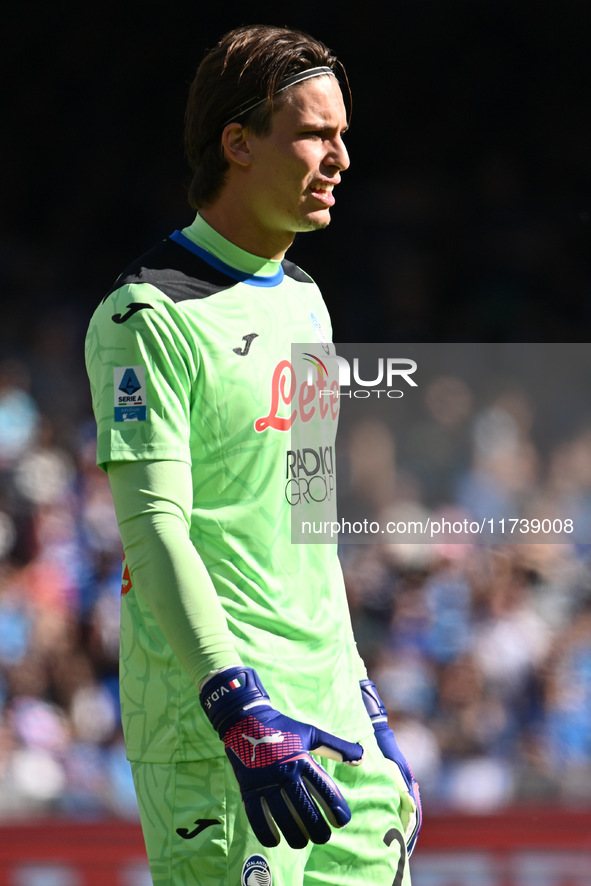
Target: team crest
<point>256,871</point>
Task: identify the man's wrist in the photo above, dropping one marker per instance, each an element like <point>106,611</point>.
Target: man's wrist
<point>213,674</point>
<point>373,703</point>
<point>230,692</point>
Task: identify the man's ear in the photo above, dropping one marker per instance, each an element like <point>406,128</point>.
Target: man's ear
<point>236,145</point>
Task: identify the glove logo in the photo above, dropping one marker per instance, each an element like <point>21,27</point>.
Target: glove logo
<point>276,738</point>
<point>256,871</point>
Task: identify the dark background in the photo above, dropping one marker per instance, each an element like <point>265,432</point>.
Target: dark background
<point>466,212</point>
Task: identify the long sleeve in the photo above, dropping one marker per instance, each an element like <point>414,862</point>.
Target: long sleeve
<point>152,502</point>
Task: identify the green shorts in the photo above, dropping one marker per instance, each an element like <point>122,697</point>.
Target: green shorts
<point>197,834</point>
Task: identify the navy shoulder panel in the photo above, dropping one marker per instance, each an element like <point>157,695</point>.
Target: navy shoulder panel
<point>295,272</point>
<point>176,272</point>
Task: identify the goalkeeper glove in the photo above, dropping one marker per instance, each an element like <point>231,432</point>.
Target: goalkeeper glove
<point>411,813</point>
<point>282,787</point>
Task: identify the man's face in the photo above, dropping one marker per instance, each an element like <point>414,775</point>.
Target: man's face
<point>295,167</point>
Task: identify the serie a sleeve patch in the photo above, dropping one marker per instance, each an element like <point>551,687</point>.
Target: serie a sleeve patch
<point>129,385</point>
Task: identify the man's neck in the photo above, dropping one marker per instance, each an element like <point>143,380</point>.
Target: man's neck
<point>236,227</point>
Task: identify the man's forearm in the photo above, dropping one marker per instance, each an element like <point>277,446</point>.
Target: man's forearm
<point>153,503</point>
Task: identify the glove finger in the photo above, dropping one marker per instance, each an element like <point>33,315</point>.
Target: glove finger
<point>412,837</point>
<point>326,794</point>
<point>325,744</point>
<point>287,816</point>
<point>408,817</point>
<point>261,820</point>
<point>303,813</point>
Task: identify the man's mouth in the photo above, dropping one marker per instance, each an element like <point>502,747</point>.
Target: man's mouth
<point>323,191</point>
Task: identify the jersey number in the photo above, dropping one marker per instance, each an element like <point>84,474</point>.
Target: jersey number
<point>391,836</point>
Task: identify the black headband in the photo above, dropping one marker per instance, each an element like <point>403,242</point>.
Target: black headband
<point>289,81</point>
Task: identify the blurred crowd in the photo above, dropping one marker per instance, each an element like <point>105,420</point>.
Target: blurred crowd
<point>481,651</point>
<point>61,747</point>
<point>483,658</point>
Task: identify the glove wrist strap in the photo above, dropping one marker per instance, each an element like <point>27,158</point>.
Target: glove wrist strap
<point>229,693</point>
<point>373,703</point>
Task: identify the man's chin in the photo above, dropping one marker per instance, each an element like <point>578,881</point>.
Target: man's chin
<point>316,221</point>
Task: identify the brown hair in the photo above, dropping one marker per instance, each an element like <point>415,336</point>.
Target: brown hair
<point>248,64</point>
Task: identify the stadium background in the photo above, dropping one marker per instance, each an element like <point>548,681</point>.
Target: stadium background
<point>465,217</point>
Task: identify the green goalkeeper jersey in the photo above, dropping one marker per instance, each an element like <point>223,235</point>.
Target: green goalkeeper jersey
<point>190,359</point>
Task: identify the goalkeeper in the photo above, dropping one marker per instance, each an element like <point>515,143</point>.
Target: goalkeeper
<point>260,751</point>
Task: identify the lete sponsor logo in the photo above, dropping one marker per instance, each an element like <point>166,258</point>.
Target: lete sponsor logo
<point>307,399</point>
